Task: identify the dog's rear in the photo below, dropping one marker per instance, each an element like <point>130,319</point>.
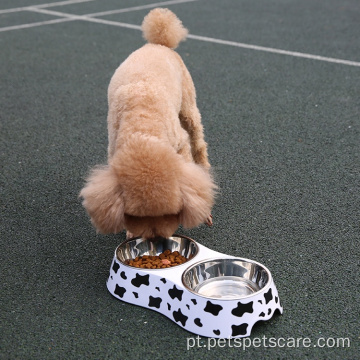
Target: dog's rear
<point>157,175</point>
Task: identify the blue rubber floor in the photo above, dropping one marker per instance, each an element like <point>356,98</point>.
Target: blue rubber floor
<point>278,87</point>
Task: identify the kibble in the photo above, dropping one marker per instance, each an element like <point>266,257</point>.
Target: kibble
<point>165,260</point>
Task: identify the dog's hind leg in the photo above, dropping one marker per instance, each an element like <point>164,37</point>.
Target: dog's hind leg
<point>209,220</point>
<point>129,235</point>
<point>190,119</point>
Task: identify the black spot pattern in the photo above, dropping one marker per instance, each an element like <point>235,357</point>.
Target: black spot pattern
<point>268,296</point>
<point>119,291</point>
<point>239,329</point>
<point>154,302</point>
<point>179,316</point>
<point>241,309</point>
<point>140,280</point>
<point>116,267</point>
<point>176,293</point>
<point>213,308</point>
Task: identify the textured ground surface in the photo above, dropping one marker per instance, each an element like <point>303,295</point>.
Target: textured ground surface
<point>283,133</point>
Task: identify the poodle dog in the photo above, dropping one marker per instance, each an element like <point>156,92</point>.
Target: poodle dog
<point>157,175</point>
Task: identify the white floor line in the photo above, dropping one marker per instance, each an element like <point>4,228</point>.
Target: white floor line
<point>55,13</point>
<point>85,18</point>
<point>91,18</point>
<point>273,50</point>
<point>59,3</point>
<point>35,24</point>
<point>141,7</point>
<point>69,2</point>
<point>113,23</point>
<point>71,17</point>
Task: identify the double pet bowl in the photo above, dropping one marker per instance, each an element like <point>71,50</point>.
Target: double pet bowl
<point>212,294</point>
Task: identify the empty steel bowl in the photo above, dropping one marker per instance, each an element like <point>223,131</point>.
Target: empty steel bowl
<point>132,248</point>
<point>226,278</point>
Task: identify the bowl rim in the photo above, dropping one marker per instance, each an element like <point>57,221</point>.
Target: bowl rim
<point>266,287</point>
<point>170,268</point>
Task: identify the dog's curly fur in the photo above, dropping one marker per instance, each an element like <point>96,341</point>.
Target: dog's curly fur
<point>157,175</point>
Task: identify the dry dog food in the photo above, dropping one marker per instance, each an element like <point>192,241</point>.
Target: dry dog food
<point>165,260</point>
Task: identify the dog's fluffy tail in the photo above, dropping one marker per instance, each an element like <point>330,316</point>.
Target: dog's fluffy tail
<point>161,26</point>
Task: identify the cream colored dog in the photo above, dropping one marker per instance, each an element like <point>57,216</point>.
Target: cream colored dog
<point>157,175</point>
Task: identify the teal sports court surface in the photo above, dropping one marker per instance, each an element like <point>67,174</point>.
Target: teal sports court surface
<point>278,87</point>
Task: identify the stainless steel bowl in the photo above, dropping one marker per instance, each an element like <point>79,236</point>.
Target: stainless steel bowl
<point>132,248</point>
<point>227,278</point>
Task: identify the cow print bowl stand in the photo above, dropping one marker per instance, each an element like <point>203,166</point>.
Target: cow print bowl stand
<point>212,294</point>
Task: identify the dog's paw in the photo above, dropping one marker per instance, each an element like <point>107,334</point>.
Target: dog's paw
<point>129,235</point>
<point>209,220</point>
